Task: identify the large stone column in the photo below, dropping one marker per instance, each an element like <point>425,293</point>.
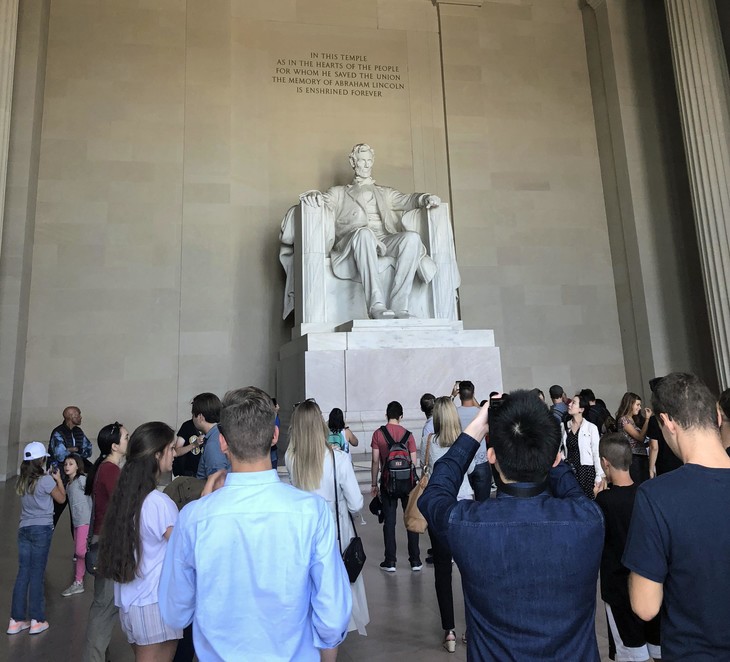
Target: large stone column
<point>703,88</point>
<point>8,34</point>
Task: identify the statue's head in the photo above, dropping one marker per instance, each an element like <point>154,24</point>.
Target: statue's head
<point>361,159</point>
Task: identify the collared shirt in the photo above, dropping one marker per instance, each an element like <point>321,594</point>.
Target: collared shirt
<point>212,458</point>
<point>529,565</point>
<point>255,567</point>
<point>63,438</point>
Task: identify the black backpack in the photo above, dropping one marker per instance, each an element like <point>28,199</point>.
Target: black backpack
<point>399,475</point>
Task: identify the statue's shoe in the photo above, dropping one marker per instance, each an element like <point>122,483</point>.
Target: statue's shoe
<point>403,315</point>
<point>378,311</point>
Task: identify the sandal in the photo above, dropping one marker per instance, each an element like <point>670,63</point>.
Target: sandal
<point>450,641</point>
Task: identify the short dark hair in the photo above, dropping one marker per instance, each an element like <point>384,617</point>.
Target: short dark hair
<point>209,405</point>
<point>588,394</point>
<point>466,390</point>
<point>686,400</point>
<point>615,449</point>
<point>394,410</point>
<point>525,437</point>
<point>724,403</point>
<point>556,391</point>
<point>427,400</point>
<point>248,425</point>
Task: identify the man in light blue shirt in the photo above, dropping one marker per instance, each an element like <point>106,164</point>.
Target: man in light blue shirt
<point>206,411</point>
<point>254,565</point>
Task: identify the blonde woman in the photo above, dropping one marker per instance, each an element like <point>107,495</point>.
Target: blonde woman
<point>446,429</point>
<point>312,467</point>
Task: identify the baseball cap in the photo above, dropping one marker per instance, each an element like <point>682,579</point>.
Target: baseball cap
<point>34,450</point>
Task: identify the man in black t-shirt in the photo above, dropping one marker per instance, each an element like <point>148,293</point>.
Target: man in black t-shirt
<point>664,459</point>
<point>678,542</point>
<point>629,638</point>
<point>186,464</point>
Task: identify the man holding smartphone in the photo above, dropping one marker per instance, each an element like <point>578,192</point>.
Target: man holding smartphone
<point>537,545</point>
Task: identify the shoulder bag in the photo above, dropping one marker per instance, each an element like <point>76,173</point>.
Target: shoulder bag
<point>354,555</point>
<point>92,548</point>
<point>412,517</point>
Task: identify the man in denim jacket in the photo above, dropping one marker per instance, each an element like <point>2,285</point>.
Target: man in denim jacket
<point>528,559</point>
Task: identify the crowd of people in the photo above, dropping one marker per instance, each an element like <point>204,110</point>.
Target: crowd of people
<point>530,499</point>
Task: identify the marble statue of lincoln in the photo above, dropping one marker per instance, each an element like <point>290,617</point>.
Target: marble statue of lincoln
<point>367,225</point>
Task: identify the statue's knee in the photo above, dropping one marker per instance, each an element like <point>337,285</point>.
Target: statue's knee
<point>363,239</point>
<point>411,241</point>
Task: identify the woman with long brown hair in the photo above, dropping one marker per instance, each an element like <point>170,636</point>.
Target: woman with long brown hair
<point>137,526</point>
<point>313,466</point>
<point>634,428</point>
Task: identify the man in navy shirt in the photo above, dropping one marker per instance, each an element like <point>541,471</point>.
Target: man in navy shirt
<point>528,559</point>
<point>678,547</point>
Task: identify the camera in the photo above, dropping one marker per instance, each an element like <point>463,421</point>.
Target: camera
<point>54,467</point>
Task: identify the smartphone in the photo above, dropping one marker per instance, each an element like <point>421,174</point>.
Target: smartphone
<point>495,407</point>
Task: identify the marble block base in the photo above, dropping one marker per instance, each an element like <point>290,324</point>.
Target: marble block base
<point>365,364</point>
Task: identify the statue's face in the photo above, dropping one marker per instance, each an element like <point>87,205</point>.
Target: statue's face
<point>363,164</point>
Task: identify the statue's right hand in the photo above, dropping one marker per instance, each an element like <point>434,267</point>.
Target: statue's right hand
<point>311,198</point>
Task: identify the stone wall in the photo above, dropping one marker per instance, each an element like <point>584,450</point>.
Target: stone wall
<point>152,165</point>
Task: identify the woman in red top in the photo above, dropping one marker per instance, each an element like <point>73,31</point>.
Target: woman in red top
<point>100,484</point>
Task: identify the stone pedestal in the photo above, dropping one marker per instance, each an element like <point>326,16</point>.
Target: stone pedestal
<point>365,364</point>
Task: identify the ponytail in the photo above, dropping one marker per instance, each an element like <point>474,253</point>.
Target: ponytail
<point>108,435</point>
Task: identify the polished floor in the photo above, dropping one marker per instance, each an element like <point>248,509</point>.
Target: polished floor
<point>404,620</point>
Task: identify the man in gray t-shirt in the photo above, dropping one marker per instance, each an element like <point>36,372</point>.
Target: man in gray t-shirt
<point>481,477</point>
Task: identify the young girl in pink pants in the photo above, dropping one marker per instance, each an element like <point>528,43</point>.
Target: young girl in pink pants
<point>80,505</point>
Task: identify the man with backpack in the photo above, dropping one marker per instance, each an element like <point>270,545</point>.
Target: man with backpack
<point>394,458</point>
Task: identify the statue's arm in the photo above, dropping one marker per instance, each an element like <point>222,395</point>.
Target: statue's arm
<point>407,201</point>
<point>315,198</point>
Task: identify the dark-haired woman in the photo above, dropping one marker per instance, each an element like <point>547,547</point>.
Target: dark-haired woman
<point>340,433</point>
<point>630,423</point>
<point>137,526</point>
<point>579,446</point>
<point>100,484</point>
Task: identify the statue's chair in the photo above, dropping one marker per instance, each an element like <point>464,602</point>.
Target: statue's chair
<point>321,301</point>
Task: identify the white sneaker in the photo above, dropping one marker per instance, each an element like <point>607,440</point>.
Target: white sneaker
<point>76,587</point>
<point>36,627</point>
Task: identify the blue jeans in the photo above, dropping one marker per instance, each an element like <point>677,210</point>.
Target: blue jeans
<point>33,545</point>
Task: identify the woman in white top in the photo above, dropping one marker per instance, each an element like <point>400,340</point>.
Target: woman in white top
<point>132,555</point>
<point>312,466</point>
<point>579,447</point>
<point>446,429</point>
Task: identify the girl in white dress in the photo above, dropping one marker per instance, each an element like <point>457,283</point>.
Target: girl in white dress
<point>312,466</point>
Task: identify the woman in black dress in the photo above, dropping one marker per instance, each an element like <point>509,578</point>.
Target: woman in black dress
<point>579,447</point>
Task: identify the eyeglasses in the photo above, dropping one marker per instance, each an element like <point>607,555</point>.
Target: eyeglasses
<point>296,404</point>
<point>115,428</point>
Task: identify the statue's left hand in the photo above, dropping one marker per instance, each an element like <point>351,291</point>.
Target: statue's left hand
<point>432,201</point>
